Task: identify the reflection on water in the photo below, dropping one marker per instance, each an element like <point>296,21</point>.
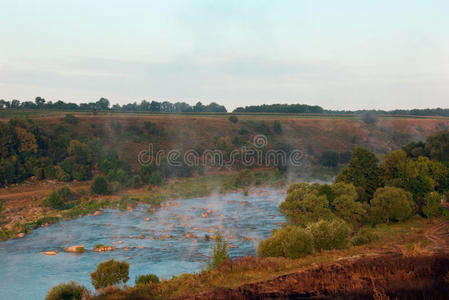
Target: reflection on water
<point>171,242</point>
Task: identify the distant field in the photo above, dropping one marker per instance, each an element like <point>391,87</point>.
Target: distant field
<point>7,114</point>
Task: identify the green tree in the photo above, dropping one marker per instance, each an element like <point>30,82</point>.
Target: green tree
<point>290,206</point>
<point>345,203</point>
<point>80,152</point>
<point>109,273</point>
<point>415,149</point>
<point>432,207</point>
<point>27,140</point>
<point>418,178</point>
<point>305,204</point>
<point>100,185</point>
<point>362,171</point>
<point>392,204</point>
<point>438,146</point>
<point>102,104</point>
<point>393,168</point>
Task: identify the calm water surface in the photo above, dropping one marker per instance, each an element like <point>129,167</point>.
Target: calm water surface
<point>27,274</point>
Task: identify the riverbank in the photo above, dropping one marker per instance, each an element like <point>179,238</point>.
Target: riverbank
<point>410,254</point>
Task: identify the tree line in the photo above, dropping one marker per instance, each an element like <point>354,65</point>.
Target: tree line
<point>281,108</point>
<point>103,104</point>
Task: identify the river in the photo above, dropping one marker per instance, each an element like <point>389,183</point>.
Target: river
<point>171,242</point>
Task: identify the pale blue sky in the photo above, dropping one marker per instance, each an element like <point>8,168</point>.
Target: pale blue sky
<point>382,54</point>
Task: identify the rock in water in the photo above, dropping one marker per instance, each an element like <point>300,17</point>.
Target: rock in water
<point>75,249</point>
<point>104,248</point>
<point>49,252</point>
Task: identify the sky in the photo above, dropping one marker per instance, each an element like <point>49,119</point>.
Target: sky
<point>347,54</point>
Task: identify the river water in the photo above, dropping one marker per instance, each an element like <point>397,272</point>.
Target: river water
<point>170,243</point>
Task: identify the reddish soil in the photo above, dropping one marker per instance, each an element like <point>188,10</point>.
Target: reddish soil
<point>384,277</point>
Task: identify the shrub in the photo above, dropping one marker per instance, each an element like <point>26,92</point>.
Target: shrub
<point>147,279</point>
<point>66,291</point>
<point>344,157</point>
<point>220,253</point>
<point>243,131</point>
<point>154,129</point>
<point>99,185</point>
<point>432,207</point>
<point>233,119</point>
<point>328,235</point>
<point>289,242</point>
<point>135,181</point>
<point>70,119</point>
<point>59,199</point>
<point>370,117</point>
<point>98,246</point>
<point>156,178</point>
<point>1,206</point>
<point>110,272</point>
<point>245,178</point>
<point>329,159</point>
<point>392,204</point>
<point>277,127</point>
<point>46,220</point>
<point>365,236</point>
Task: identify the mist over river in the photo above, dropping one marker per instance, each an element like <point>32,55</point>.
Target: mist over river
<point>171,242</point>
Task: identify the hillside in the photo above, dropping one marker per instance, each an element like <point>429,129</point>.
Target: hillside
<point>310,134</point>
